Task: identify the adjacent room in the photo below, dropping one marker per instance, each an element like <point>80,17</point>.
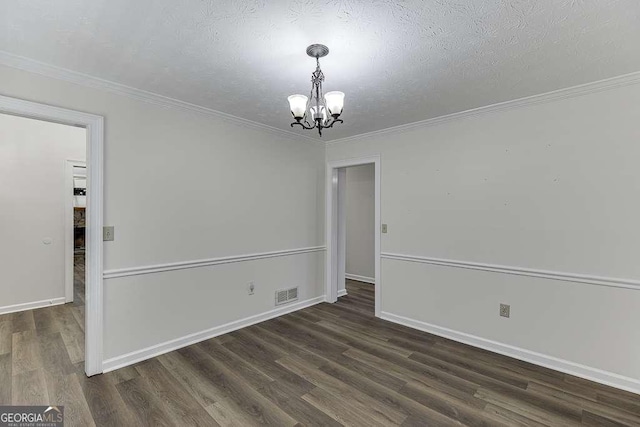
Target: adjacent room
<point>321,213</point>
<point>356,211</point>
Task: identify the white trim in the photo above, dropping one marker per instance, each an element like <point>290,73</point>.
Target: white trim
<point>521,271</point>
<point>95,142</point>
<point>570,92</point>
<point>68,226</point>
<point>331,239</point>
<point>342,229</point>
<point>59,73</point>
<point>342,293</point>
<point>358,278</point>
<point>181,265</point>
<point>165,347</point>
<point>31,305</point>
<point>571,368</point>
<point>332,260</point>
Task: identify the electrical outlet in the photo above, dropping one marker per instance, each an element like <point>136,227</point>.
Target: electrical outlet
<point>108,233</point>
<point>384,228</point>
<point>251,288</point>
<point>505,310</point>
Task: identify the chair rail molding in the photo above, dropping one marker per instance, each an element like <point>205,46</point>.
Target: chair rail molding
<point>520,271</point>
<point>181,265</point>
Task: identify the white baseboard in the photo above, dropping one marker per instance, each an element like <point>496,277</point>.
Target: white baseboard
<point>342,292</point>
<point>31,305</point>
<point>165,347</point>
<point>582,371</point>
<point>358,278</point>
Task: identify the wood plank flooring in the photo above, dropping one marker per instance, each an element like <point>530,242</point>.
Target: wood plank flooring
<point>329,365</point>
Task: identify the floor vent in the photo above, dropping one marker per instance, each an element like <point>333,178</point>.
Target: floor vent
<point>286,295</point>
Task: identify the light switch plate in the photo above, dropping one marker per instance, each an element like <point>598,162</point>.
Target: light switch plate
<point>108,233</point>
<point>384,228</point>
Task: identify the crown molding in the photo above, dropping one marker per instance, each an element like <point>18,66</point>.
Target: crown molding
<point>556,95</point>
<point>59,73</point>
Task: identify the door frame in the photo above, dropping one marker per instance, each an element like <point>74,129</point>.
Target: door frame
<point>95,148</point>
<point>69,236</point>
<point>335,234</point>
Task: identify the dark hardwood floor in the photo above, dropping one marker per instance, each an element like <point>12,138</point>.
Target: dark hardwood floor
<point>330,365</point>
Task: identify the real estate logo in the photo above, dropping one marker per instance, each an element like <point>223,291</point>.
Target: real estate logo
<point>31,416</point>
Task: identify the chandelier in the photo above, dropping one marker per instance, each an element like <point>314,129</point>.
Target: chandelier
<point>323,110</point>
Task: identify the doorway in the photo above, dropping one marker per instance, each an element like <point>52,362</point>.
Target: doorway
<point>92,129</point>
<point>336,229</point>
<point>75,220</point>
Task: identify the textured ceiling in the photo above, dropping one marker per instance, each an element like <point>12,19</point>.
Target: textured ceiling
<point>397,61</point>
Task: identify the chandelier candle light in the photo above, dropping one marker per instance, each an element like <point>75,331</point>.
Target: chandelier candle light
<point>323,110</point>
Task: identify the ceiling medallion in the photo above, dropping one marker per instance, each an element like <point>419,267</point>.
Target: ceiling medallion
<point>317,106</point>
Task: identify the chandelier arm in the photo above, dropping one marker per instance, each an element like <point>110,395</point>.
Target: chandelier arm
<point>307,126</point>
<point>333,122</point>
<point>311,125</point>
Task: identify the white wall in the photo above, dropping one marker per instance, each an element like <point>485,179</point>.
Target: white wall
<point>33,156</point>
<point>360,211</point>
<point>182,186</point>
<point>551,186</point>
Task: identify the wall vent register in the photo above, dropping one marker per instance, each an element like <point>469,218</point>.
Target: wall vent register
<point>286,296</point>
